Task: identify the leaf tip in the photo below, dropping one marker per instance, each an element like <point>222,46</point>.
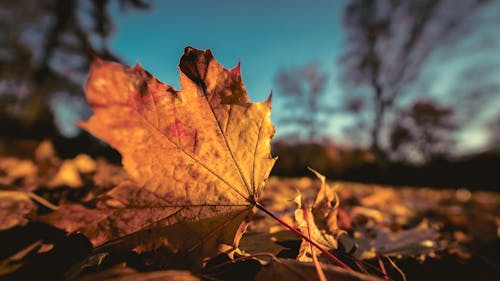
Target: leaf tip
<point>81,124</point>
<point>270,98</point>
<point>97,61</point>
<point>192,53</point>
<point>236,71</point>
<point>318,174</point>
<point>138,66</point>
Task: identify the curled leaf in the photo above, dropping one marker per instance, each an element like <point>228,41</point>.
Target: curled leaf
<point>318,220</point>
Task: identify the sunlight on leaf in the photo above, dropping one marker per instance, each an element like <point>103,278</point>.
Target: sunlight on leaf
<point>320,224</point>
<point>14,206</point>
<point>199,157</point>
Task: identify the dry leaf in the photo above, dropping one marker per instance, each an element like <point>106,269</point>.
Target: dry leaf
<point>122,273</point>
<point>292,270</point>
<point>14,206</point>
<point>69,173</point>
<point>15,261</point>
<point>46,153</point>
<point>326,207</point>
<point>84,163</point>
<point>199,157</point>
<point>108,175</point>
<point>14,170</point>
<point>418,241</point>
<point>259,242</point>
<point>318,220</point>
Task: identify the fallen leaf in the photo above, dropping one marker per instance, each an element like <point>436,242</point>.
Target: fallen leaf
<point>46,153</point>
<point>108,175</point>
<point>122,273</point>
<point>67,175</point>
<point>318,220</point>
<point>292,270</point>
<point>418,241</point>
<point>15,261</point>
<point>259,242</point>
<point>70,171</point>
<point>84,163</point>
<point>14,170</point>
<point>199,157</point>
<point>326,207</point>
<point>14,206</point>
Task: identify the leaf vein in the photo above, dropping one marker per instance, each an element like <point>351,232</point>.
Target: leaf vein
<point>190,156</point>
<point>227,146</point>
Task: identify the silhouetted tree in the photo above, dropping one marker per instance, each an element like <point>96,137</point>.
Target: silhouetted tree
<point>45,51</point>
<point>302,88</point>
<point>422,132</point>
<point>494,129</point>
<point>389,42</point>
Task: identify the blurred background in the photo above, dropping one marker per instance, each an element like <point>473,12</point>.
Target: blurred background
<point>402,92</point>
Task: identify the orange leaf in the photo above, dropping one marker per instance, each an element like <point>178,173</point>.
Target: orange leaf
<point>199,157</point>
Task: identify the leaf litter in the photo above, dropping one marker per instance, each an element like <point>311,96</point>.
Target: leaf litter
<point>196,161</point>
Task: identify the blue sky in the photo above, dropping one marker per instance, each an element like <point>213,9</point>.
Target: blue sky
<point>265,36</point>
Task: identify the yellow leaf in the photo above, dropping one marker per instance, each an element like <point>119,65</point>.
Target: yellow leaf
<point>320,224</point>
<point>14,206</point>
<point>199,157</point>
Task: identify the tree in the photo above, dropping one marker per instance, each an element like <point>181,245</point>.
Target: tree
<point>494,138</point>
<point>45,51</point>
<point>422,132</point>
<point>388,44</point>
<point>302,88</point>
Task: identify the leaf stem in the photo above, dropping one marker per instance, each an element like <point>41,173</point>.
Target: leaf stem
<point>362,263</point>
<point>328,254</point>
<point>403,275</point>
<point>382,267</point>
<point>243,258</point>
<point>319,270</point>
<point>44,202</point>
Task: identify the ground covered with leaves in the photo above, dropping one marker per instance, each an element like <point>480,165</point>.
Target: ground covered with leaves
<point>193,199</point>
<point>424,233</point>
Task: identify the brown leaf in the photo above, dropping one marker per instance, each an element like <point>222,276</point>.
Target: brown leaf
<point>121,273</point>
<point>259,242</point>
<point>199,157</point>
<point>45,153</point>
<point>15,261</point>
<point>108,175</point>
<point>19,172</point>
<point>69,173</point>
<point>318,220</point>
<point>292,270</point>
<point>14,206</point>
<point>326,206</point>
<point>418,241</point>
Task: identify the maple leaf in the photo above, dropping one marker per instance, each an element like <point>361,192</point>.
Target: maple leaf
<point>199,157</point>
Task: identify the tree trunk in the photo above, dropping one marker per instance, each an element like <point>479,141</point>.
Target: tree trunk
<point>378,122</point>
<point>379,112</point>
